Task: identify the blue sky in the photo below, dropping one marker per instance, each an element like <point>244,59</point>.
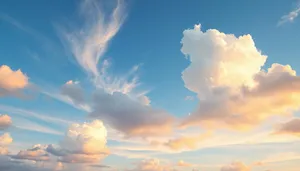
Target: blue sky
<point>48,40</point>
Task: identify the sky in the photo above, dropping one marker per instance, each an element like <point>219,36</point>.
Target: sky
<point>132,85</point>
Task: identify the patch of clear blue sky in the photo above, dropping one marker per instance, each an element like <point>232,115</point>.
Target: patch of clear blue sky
<point>150,36</point>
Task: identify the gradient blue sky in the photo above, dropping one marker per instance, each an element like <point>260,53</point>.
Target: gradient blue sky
<point>151,38</point>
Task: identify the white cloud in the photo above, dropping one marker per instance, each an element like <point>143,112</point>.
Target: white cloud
<point>11,82</point>
<point>290,17</point>
<point>89,42</point>
<point>233,91</point>
<point>5,121</point>
<point>219,60</point>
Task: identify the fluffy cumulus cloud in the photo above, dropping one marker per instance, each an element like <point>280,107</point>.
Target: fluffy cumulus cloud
<point>291,127</point>
<point>83,143</point>
<point>233,91</point>
<point>11,82</point>
<point>152,165</point>
<point>235,166</point>
<point>129,116</point>
<point>5,121</point>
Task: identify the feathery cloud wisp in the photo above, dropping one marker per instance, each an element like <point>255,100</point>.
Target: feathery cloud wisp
<point>289,17</point>
<point>89,42</point>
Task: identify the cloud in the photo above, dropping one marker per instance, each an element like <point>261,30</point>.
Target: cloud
<point>5,121</point>
<point>290,17</point>
<point>89,42</point>
<point>152,165</point>
<point>189,98</point>
<point>5,139</point>
<point>183,143</point>
<point>8,164</point>
<point>83,143</point>
<point>235,166</point>
<point>36,153</point>
<point>291,127</point>
<point>11,82</point>
<point>74,92</point>
<point>233,91</point>
<point>189,143</point>
<point>129,116</point>
<point>88,138</point>
<point>182,163</point>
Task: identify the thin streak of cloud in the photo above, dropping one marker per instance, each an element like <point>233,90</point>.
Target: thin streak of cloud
<point>31,126</point>
<point>290,17</point>
<point>48,44</point>
<point>28,113</point>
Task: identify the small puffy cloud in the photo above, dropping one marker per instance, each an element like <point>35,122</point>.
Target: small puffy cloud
<point>5,121</point>
<point>291,127</point>
<point>5,139</point>
<point>73,91</point>
<point>233,91</point>
<point>182,163</point>
<point>152,165</point>
<point>129,116</point>
<point>235,166</point>
<point>11,81</point>
<point>36,153</point>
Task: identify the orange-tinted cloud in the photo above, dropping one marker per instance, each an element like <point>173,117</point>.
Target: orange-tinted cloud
<point>11,81</point>
<point>187,142</point>
<point>291,127</point>
<point>5,121</point>
<point>182,163</point>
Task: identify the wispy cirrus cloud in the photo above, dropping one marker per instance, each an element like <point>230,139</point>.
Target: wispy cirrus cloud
<point>89,42</point>
<point>32,114</point>
<point>290,17</point>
